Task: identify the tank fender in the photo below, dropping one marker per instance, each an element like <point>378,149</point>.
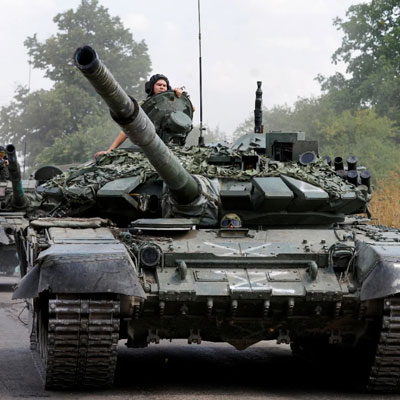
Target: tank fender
<point>80,268</point>
<point>28,286</point>
<point>378,268</point>
<point>4,239</point>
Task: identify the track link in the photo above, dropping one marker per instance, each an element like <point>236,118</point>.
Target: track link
<point>385,371</point>
<point>81,345</point>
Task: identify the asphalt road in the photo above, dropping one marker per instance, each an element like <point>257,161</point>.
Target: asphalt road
<point>178,371</point>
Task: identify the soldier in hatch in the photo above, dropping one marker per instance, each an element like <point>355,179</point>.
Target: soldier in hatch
<point>158,83</point>
<point>3,164</point>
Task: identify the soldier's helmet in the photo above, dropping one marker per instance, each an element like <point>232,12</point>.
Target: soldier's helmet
<point>230,221</point>
<point>149,85</point>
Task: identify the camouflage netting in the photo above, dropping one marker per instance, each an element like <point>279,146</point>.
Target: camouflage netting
<point>80,184</point>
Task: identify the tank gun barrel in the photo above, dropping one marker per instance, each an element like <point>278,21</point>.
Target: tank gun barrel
<point>19,198</point>
<point>137,125</point>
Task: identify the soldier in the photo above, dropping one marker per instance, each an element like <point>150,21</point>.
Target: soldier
<point>158,83</point>
<point>3,164</point>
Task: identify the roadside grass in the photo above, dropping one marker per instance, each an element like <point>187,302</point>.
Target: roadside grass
<point>385,203</point>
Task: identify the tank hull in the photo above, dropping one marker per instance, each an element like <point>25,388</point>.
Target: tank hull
<point>282,284</point>
<point>10,222</point>
<point>12,219</point>
<point>9,257</point>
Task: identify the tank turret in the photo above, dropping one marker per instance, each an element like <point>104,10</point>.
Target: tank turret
<point>137,126</point>
<point>271,178</point>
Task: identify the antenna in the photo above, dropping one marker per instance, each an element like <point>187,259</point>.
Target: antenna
<point>30,72</point>
<point>23,171</point>
<point>201,137</point>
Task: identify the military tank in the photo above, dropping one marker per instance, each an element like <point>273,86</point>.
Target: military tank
<point>14,203</point>
<point>261,241</point>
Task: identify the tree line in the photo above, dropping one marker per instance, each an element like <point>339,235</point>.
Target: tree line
<point>357,113</point>
<point>69,122</point>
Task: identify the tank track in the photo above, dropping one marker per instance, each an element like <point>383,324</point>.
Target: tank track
<point>385,371</point>
<point>82,341</point>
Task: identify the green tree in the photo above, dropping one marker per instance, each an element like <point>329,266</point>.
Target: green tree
<point>360,132</point>
<point>81,145</point>
<point>366,135</point>
<point>70,107</point>
<point>359,113</point>
<point>210,136</point>
<point>91,24</point>
<point>307,115</point>
<point>42,116</point>
<point>371,49</point>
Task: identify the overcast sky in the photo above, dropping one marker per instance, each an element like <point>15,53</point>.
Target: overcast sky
<point>283,43</point>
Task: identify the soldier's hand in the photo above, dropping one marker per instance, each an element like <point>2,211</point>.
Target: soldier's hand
<point>99,153</point>
<point>178,92</point>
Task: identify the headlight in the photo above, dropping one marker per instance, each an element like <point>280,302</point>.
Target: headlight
<point>150,255</point>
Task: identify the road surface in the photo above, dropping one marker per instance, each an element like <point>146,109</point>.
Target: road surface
<point>178,371</point>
